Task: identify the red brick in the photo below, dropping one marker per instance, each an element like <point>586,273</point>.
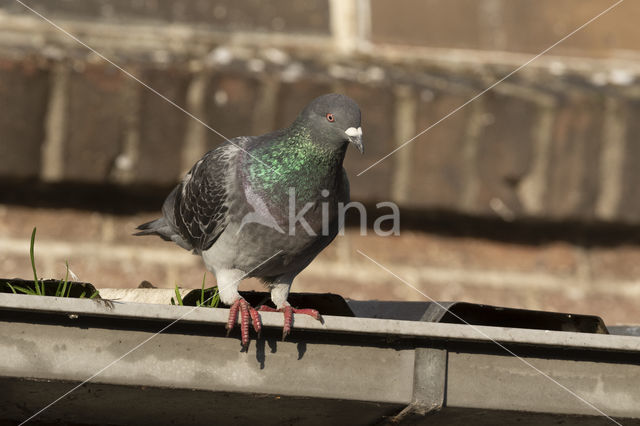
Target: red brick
<point>293,97</point>
<point>573,181</point>
<point>629,207</point>
<point>508,25</point>
<point>229,105</point>
<point>533,28</point>
<point>69,225</point>
<point>48,266</point>
<point>24,90</point>
<point>96,123</point>
<point>435,23</point>
<point>52,224</point>
<point>437,164</point>
<point>619,263</point>
<point>429,250</point>
<point>504,151</point>
<point>16,266</point>
<point>121,274</point>
<point>162,126</point>
<point>377,107</point>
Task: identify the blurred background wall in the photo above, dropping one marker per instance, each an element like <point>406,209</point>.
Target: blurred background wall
<point>527,197</point>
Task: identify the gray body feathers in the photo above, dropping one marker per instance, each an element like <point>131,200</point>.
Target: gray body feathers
<point>232,211</point>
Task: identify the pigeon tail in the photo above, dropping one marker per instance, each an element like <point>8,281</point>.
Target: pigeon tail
<point>155,227</point>
<point>161,228</point>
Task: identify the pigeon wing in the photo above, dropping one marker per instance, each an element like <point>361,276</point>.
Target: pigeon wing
<point>200,203</point>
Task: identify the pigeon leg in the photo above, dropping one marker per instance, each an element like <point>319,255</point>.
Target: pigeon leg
<point>246,312</point>
<point>288,312</point>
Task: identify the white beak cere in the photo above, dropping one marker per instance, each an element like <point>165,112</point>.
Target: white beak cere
<point>352,131</point>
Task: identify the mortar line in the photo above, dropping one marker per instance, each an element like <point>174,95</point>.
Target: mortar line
<point>492,86</point>
<point>404,125</point>
<point>533,187</point>
<point>123,169</point>
<point>611,167</point>
<point>55,125</point>
<point>468,156</point>
<point>343,15</point>
<point>265,110</point>
<point>482,333</point>
<point>195,136</point>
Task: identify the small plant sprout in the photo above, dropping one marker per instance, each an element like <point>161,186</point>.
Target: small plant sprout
<point>209,302</point>
<point>13,288</point>
<point>213,300</point>
<point>23,290</point>
<point>63,288</point>
<point>39,287</point>
<point>204,277</point>
<point>178,297</point>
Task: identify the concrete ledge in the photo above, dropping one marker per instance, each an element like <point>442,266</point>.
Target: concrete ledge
<point>347,371</point>
<point>341,325</point>
<point>161,296</point>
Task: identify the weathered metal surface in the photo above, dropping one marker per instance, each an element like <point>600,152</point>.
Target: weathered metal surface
<point>336,325</point>
<point>345,371</point>
<point>497,316</point>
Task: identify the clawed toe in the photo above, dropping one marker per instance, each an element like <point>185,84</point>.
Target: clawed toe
<point>311,312</point>
<point>246,312</point>
<point>288,312</point>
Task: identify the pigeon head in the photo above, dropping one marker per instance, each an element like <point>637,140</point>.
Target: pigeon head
<point>333,119</point>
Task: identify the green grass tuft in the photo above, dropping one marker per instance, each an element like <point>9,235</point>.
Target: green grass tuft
<point>39,287</point>
<point>178,297</point>
<point>211,302</point>
<point>204,277</point>
<point>64,286</point>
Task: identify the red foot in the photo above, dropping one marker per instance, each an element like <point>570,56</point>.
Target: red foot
<point>288,316</point>
<point>246,311</point>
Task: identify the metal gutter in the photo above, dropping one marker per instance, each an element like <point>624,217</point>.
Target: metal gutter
<point>345,371</point>
<point>362,326</point>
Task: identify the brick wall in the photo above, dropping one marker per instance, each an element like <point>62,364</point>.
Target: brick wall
<point>551,274</point>
<point>555,143</point>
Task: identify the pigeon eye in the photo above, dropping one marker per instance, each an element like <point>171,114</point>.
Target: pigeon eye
<point>330,118</point>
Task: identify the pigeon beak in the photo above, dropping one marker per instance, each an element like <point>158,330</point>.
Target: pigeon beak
<point>355,137</point>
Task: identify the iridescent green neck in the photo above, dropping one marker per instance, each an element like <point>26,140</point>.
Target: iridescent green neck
<point>294,160</point>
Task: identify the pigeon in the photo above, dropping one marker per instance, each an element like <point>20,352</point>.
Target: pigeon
<point>265,206</point>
